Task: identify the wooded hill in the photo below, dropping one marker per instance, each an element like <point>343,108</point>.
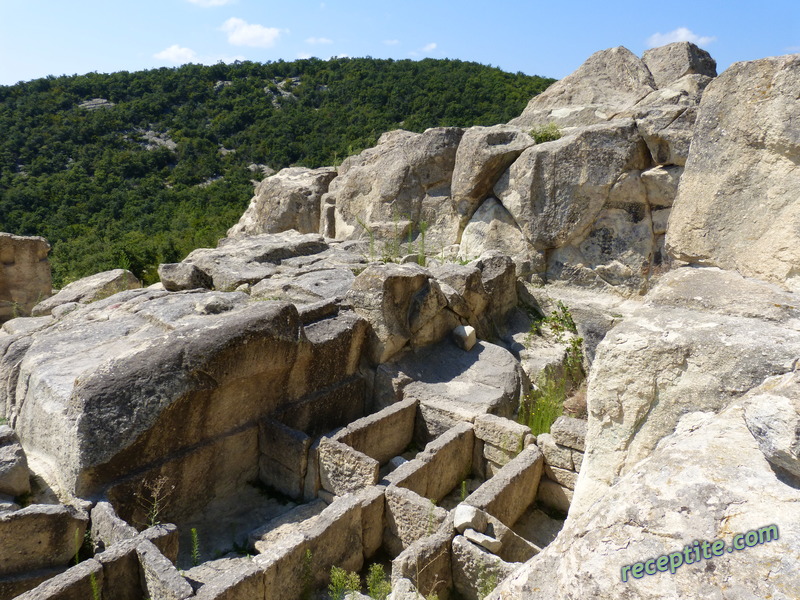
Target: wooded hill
<point>166,164</point>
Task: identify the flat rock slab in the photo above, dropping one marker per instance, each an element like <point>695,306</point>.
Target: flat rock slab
<point>452,385</point>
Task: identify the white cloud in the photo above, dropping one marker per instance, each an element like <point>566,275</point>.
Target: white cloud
<point>320,40</point>
<point>176,54</point>
<point>242,33</point>
<point>391,42</point>
<point>302,55</point>
<point>681,34</point>
<point>212,2</point>
<point>429,47</point>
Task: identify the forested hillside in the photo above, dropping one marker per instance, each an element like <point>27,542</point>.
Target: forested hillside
<point>165,165</point>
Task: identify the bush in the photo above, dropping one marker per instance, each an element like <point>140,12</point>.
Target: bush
<point>378,587</point>
<point>546,133</point>
<point>545,403</point>
<point>342,583</point>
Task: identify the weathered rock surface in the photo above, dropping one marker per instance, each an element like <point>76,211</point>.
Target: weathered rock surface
<point>107,390</point>
<point>396,186</point>
<point>24,274</point>
<point>492,229</point>
<point>89,289</point>
<point>737,203</point>
<point>673,61</point>
<point>482,156</point>
<point>703,338</point>
<point>452,385</point>
<point>249,260</point>
<point>290,199</point>
<point>14,476</point>
<point>772,414</point>
<point>707,480</point>
<point>607,83</point>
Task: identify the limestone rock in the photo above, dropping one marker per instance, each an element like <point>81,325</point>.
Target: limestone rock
<point>703,338</point>
<point>772,414</point>
<point>706,481</point>
<point>39,536</point>
<point>464,337</point>
<point>90,289</point>
<point>482,156</point>
<point>492,229</point>
<point>666,118</point>
<point>14,476</point>
<point>396,186</point>
<point>24,274</point>
<point>401,302</point>
<point>737,203</point>
<point>569,432</point>
<point>250,259</point>
<point>290,199</point>
<point>135,363</point>
<point>183,276</point>
<point>607,83</point>
<point>475,570</point>
<point>554,191</point>
<point>452,385</point>
<point>483,540</point>
<point>673,61</point>
<point>467,516</point>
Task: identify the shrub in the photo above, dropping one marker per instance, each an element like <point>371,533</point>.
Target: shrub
<point>378,588</point>
<point>342,583</point>
<point>543,404</point>
<point>545,133</point>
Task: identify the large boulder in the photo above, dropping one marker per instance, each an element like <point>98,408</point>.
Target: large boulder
<point>580,201</point>
<point>238,261</point>
<point>290,199</point>
<point>706,481</point>
<point>90,289</point>
<point>157,384</point>
<point>398,189</point>
<point>673,61</point>
<point>701,340</point>
<point>24,274</point>
<point>737,202</point>
<point>482,156</point>
<point>607,83</point>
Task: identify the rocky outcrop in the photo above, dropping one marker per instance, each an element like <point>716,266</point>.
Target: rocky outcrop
<point>707,481</point>
<point>482,156</point>
<point>397,189</point>
<point>24,274</point>
<point>607,83</point>
<point>290,199</point>
<point>737,203</point>
<point>673,61</point>
<point>89,289</point>
<point>702,339</point>
<point>129,383</point>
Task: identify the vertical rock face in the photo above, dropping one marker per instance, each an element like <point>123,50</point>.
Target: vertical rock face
<point>607,83</point>
<point>737,205</point>
<point>24,274</point>
<point>673,61</point>
<point>390,190</point>
<point>290,199</point>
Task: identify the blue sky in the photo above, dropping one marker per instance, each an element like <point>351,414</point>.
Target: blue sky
<point>56,37</point>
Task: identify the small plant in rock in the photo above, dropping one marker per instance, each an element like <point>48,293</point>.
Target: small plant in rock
<point>342,583</point>
<point>195,547</point>
<point>307,576</point>
<point>544,404</point>
<point>378,587</point>
<point>546,133</point>
<point>464,492</point>
<point>560,321</point>
<point>154,499</point>
<point>573,362</point>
